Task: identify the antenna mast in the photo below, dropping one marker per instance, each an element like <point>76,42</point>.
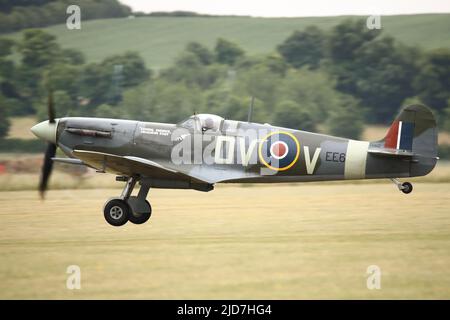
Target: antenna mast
<point>250,110</point>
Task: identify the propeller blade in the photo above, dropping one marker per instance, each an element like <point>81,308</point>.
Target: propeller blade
<point>47,167</point>
<point>51,107</point>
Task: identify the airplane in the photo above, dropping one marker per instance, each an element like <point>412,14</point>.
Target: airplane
<point>206,149</point>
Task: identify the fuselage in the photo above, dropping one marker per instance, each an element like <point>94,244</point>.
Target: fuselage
<point>234,151</point>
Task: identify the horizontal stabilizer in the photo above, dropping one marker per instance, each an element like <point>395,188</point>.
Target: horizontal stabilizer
<point>391,152</point>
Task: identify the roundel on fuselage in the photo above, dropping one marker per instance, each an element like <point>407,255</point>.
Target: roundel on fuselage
<point>279,150</point>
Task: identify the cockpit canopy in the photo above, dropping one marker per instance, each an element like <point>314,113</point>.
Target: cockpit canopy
<point>203,122</point>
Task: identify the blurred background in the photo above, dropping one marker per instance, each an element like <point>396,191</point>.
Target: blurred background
<point>327,74</point>
<point>331,74</point>
<point>327,66</point>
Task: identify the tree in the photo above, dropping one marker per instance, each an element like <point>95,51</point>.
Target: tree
<point>227,52</point>
<point>63,103</point>
<point>6,47</point>
<point>342,45</point>
<point>9,84</point>
<point>272,62</point>
<point>345,121</point>
<point>63,77</point>
<point>378,71</point>
<point>73,56</point>
<point>38,48</point>
<point>276,64</point>
<point>190,70</point>
<point>103,82</point>
<point>161,101</point>
<point>236,108</point>
<point>446,121</point>
<point>133,68</point>
<point>203,54</point>
<point>304,48</point>
<point>41,56</point>
<point>433,80</point>
<point>138,103</point>
<point>108,111</point>
<point>4,121</point>
<point>176,101</point>
<point>384,72</point>
<point>6,65</point>
<point>347,37</point>
<point>19,14</point>
<point>312,90</point>
<point>292,115</point>
<point>95,82</point>
<point>259,82</point>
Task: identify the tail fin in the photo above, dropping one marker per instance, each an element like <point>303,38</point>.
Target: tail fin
<point>414,131</point>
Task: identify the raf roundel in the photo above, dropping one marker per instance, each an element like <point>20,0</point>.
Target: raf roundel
<point>279,151</point>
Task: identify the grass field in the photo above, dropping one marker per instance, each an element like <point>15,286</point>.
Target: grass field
<point>20,127</point>
<point>160,40</point>
<point>303,241</point>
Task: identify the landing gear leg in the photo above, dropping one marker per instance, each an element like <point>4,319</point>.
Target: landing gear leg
<point>131,182</point>
<point>404,187</point>
<point>141,210</point>
<point>117,210</point>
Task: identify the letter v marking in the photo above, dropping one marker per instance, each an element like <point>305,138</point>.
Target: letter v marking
<point>311,163</point>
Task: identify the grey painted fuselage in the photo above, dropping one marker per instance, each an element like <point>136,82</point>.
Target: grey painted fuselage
<point>237,151</point>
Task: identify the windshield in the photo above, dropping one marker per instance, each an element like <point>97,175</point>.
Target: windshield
<point>206,122</point>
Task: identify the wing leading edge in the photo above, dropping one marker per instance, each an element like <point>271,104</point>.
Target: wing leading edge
<point>157,174</point>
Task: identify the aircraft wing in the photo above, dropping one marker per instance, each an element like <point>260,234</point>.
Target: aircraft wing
<point>128,165</point>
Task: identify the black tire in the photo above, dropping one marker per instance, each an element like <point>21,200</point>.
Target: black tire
<point>407,187</point>
<point>116,212</point>
<point>141,218</point>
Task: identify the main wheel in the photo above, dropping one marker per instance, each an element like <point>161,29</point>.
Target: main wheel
<point>407,187</point>
<point>116,212</point>
<point>139,218</point>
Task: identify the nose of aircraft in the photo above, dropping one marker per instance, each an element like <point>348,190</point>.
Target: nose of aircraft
<point>46,130</point>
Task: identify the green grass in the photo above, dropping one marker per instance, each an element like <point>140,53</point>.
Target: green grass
<point>159,40</point>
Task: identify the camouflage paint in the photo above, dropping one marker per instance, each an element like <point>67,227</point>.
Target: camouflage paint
<point>144,148</point>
